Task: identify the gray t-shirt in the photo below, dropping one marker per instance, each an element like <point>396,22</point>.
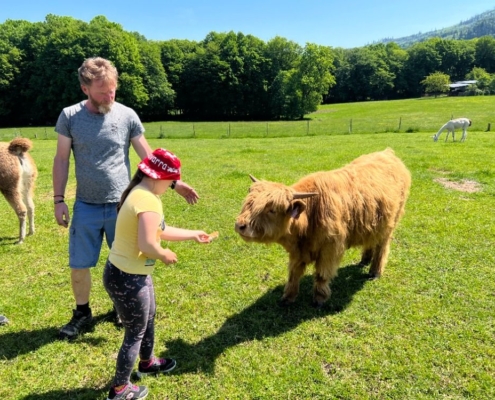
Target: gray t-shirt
<point>100,144</point>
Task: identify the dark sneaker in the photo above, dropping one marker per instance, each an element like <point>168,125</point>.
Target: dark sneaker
<point>3,320</point>
<point>129,392</point>
<point>159,366</point>
<point>75,325</point>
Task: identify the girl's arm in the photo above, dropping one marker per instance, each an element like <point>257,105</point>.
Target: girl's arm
<point>147,243</point>
<point>176,234</point>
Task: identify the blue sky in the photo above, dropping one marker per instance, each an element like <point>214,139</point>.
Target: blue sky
<point>341,23</point>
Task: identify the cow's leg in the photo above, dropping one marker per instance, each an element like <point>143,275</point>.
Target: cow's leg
<point>380,256</point>
<point>464,135</point>
<point>326,267</point>
<point>296,271</point>
<point>366,257</point>
<point>14,198</point>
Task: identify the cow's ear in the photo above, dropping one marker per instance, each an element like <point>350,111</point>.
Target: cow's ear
<point>296,208</point>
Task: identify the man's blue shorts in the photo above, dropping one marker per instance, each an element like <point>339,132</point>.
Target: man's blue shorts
<point>89,223</point>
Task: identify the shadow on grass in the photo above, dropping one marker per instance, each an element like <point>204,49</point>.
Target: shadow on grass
<point>265,318</point>
<point>8,240</point>
<point>13,344</point>
<point>79,394</point>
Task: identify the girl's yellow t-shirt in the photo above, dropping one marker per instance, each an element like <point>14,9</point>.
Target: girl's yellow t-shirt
<point>125,253</point>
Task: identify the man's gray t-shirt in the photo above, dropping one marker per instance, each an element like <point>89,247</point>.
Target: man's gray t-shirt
<point>100,144</point>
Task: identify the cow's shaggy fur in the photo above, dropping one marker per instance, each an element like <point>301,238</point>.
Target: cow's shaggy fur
<point>17,177</point>
<point>451,126</point>
<point>325,213</point>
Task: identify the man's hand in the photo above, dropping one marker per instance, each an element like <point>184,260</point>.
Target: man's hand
<point>62,214</point>
<point>187,192</point>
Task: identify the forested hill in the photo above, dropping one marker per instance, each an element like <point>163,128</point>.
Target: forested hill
<point>480,25</point>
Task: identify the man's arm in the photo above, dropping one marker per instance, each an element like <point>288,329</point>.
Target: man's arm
<point>141,146</point>
<point>60,175</point>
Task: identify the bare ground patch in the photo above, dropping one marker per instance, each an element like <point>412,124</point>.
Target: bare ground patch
<point>464,185</point>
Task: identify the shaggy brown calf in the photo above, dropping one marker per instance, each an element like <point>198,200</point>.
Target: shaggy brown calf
<point>318,218</point>
<point>17,176</point>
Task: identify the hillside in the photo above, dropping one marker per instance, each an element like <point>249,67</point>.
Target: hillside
<point>480,25</point>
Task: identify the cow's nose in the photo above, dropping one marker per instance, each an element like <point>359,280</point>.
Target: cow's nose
<point>239,227</point>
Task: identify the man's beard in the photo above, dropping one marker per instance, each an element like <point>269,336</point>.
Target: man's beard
<point>103,108</point>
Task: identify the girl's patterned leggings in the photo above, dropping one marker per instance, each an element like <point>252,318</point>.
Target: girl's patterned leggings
<point>134,299</point>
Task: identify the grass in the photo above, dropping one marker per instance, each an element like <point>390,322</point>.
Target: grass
<point>424,330</point>
<point>399,116</point>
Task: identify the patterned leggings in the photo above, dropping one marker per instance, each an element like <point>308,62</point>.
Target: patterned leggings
<point>134,300</point>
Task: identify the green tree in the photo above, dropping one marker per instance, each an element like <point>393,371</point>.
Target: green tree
<point>160,93</point>
<point>302,88</point>
<point>436,83</point>
<point>485,53</point>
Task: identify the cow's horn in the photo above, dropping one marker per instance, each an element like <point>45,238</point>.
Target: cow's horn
<point>303,195</point>
<point>253,178</point>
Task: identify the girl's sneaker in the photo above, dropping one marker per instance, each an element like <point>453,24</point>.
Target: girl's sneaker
<point>129,392</point>
<point>158,366</point>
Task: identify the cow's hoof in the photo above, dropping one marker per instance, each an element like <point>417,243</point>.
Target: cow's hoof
<point>285,303</point>
<point>318,304</point>
<point>372,277</point>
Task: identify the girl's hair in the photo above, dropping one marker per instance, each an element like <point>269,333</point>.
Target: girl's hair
<point>136,180</point>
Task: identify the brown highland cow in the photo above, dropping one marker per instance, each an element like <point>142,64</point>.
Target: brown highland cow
<point>318,218</point>
<point>17,176</point>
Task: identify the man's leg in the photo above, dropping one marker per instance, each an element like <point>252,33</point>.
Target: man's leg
<point>86,237</point>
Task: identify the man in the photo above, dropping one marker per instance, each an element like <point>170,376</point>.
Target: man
<point>99,131</point>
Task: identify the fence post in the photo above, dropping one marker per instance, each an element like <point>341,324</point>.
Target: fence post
<point>488,127</point>
<point>350,125</point>
<point>194,131</point>
<point>307,127</point>
<point>400,122</point>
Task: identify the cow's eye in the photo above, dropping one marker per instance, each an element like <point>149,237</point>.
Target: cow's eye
<point>272,212</point>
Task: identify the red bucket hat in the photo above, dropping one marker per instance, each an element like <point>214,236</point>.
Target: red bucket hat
<point>161,164</point>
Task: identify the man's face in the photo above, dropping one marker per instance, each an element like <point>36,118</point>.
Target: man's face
<point>101,95</point>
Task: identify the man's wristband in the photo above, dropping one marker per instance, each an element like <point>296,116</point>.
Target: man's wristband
<point>172,186</point>
<point>59,201</point>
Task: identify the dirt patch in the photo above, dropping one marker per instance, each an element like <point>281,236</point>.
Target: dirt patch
<point>324,111</point>
<point>465,185</point>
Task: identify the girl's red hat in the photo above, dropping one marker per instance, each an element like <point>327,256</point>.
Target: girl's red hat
<point>161,164</point>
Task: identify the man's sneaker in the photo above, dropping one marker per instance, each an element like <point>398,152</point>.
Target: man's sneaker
<point>158,366</point>
<point>75,325</point>
<point>3,320</point>
<point>129,392</point>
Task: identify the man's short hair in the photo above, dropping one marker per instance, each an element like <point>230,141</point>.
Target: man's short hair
<point>97,68</point>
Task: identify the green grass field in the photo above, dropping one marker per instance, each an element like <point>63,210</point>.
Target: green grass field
<point>425,330</point>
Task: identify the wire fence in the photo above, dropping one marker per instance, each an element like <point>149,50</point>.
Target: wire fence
<point>240,129</point>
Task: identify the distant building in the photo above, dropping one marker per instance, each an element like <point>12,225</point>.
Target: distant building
<point>459,87</point>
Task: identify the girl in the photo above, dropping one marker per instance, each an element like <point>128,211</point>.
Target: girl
<point>127,275</point>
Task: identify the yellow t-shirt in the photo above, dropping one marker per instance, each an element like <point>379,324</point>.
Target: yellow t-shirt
<point>125,253</point>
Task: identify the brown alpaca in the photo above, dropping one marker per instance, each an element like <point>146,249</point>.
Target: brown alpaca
<point>318,218</point>
<point>17,177</point>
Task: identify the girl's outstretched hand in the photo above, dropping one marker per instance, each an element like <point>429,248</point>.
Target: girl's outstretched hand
<point>203,237</point>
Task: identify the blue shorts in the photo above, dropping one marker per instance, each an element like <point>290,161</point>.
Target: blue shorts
<point>89,223</point>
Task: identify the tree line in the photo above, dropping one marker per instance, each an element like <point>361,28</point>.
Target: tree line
<point>226,76</point>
